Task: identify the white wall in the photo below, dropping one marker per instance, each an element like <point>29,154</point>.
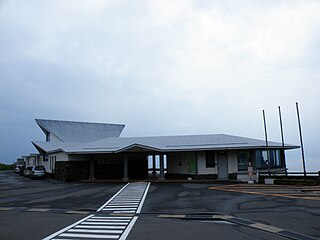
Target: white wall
<point>232,161</point>
<point>31,161</point>
<point>46,166</point>
<point>202,169</point>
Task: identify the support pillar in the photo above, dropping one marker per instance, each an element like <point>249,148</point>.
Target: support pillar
<point>125,168</point>
<point>91,169</point>
<point>161,167</point>
<point>154,164</point>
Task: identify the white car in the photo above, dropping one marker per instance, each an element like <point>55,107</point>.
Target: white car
<point>37,172</point>
<point>17,169</point>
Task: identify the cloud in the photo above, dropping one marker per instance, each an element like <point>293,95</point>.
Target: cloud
<point>162,67</point>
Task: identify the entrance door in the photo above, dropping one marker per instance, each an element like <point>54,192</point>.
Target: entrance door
<point>222,165</point>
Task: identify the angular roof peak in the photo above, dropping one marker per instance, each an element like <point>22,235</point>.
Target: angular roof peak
<point>72,131</point>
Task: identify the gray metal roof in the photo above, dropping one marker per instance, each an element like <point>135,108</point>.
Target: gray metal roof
<point>70,131</point>
<point>170,144</point>
<point>42,146</point>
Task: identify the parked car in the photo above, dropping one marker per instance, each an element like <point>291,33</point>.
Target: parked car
<point>38,172</point>
<point>17,169</point>
<point>23,167</point>
<point>27,171</point>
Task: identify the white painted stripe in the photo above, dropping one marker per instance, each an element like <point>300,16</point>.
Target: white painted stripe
<point>100,227</point>
<point>113,209</point>
<point>105,223</point>
<point>143,198</point>
<point>61,239</point>
<point>95,231</point>
<point>119,205</point>
<point>128,199</point>
<point>128,229</point>
<point>89,236</point>
<point>124,211</point>
<point>116,217</point>
<point>38,210</point>
<point>123,205</point>
<point>125,200</point>
<point>114,196</point>
<point>108,220</point>
<point>66,228</point>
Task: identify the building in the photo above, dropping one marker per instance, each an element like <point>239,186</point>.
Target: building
<point>79,150</point>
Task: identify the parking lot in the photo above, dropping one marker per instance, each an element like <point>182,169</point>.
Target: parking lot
<point>34,209</point>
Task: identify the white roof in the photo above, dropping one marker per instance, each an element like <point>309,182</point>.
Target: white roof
<point>164,144</point>
<point>71,131</point>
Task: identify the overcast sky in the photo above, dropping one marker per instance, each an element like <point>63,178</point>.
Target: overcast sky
<point>161,68</point>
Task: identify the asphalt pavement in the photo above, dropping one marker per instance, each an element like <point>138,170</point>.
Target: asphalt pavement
<point>34,209</point>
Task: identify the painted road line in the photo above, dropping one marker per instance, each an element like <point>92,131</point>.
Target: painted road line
<point>38,210</point>
<point>171,216</point>
<point>78,212</point>
<point>128,229</point>
<point>100,227</point>
<point>5,208</point>
<point>265,227</point>
<point>294,235</point>
<point>74,235</point>
<point>86,228</point>
<point>111,217</point>
<point>106,223</point>
<point>108,220</point>
<point>143,198</point>
<point>66,228</point>
<point>265,194</point>
<point>113,197</point>
<point>94,231</point>
<point>110,226</point>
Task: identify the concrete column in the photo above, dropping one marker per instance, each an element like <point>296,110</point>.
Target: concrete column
<point>125,168</point>
<point>161,167</point>
<point>154,164</point>
<point>91,169</point>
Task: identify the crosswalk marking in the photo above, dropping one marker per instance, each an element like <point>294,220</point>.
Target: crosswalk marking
<point>126,202</point>
<point>100,227</point>
<point>74,235</point>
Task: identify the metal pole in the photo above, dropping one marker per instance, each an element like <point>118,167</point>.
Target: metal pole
<point>302,151</point>
<point>282,140</point>
<point>266,136</point>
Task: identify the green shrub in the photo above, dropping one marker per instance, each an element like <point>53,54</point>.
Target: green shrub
<point>7,166</point>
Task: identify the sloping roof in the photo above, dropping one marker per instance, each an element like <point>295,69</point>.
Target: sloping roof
<point>70,131</point>
<point>170,144</point>
<point>42,146</point>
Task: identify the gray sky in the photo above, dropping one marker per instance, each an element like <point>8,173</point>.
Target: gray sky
<point>162,68</point>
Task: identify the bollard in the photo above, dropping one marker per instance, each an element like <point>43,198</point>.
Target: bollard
<point>257,176</point>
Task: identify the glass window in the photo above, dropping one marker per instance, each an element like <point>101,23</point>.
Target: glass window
<point>210,159</point>
<point>243,159</point>
<point>39,168</point>
<point>274,158</point>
